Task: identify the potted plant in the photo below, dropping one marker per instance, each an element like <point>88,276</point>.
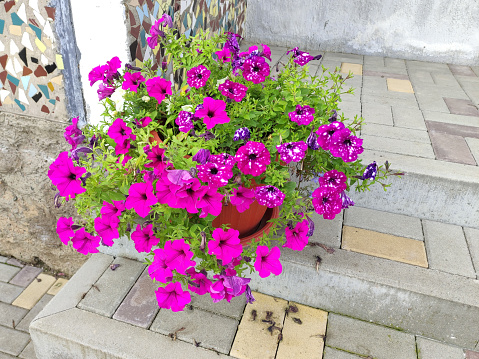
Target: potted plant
<point>170,159</point>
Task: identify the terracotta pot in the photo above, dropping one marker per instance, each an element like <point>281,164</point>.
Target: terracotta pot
<point>263,227</point>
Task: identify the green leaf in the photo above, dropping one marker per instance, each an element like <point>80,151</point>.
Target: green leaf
<point>115,196</point>
<point>124,189</point>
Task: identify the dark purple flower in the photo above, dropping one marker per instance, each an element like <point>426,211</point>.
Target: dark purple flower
<point>303,115</point>
<point>75,153</point>
<point>249,296</point>
<point>232,43</point>
<point>345,200</point>
<point>104,92</point>
<point>312,141</point>
<point>253,158</point>
<point>326,132</point>
<point>269,196</point>
<point>233,90</point>
<point>310,226</point>
<point>334,179</point>
<point>132,81</point>
<point>346,146</point>
<point>131,67</point>
<point>292,151</point>
<point>255,69</point>
<point>197,76</point>
<point>166,19</point>
<point>333,117</point>
<point>207,136</point>
<point>370,172</point>
<point>242,134</point>
<point>327,201</point>
<point>202,156</point>
<point>184,121</point>
<point>73,135</point>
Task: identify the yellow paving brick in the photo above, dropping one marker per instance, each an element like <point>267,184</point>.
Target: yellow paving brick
<point>356,69</point>
<point>15,30</point>
<point>383,245</point>
<point>34,292</point>
<point>253,339</point>
<point>303,333</point>
<point>399,85</point>
<point>59,284</point>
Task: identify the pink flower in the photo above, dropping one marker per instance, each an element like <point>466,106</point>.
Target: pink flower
<point>73,135</point>
<point>145,121</point>
<point>107,229</point>
<point>119,131</point>
<point>65,229</point>
<point>303,115</point>
<point>296,238</point>
<point>333,179</point>
<point>326,132</point>
<point>210,202</point>
<point>269,196</point>
<point>267,262</point>
<point>223,55</point>
<point>292,151</point>
<point>132,81</point>
<point>141,198</point>
<point>166,191</point>
<point>214,174</point>
<point>253,158</point>
<point>327,201</point>
<point>188,196</point>
<point>84,242</point>
<point>199,283</point>
<point>178,255</point>
<point>156,156</point>
<point>97,74</point>
<point>104,91</point>
<point>144,238</point>
<point>225,244</point>
<point>158,270</point>
<point>213,112</point>
<point>158,88</point>
<point>266,52</point>
<point>184,121</point>
<point>197,76</point>
<point>66,176</point>
<point>242,198</point>
<point>345,145</point>
<point>114,209</point>
<point>255,69</point>
<point>233,90</point>
<point>218,290</point>
<point>122,148</point>
<point>223,159</point>
<point>173,297</point>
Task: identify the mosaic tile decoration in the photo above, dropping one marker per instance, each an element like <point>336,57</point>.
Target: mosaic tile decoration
<point>31,80</point>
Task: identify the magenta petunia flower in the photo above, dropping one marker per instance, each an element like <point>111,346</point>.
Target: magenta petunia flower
<point>158,88</point>
<point>178,255</point>
<point>233,90</point>
<point>325,133</point>
<point>269,196</point>
<point>188,196</point>
<point>301,57</point>
<point>333,179</point>
<point>123,147</point>
<point>158,270</point>
<point>173,297</point>
<point>104,92</point>
<point>166,19</point>
<point>157,158</point>
<point>266,52</point>
<point>66,177</point>
<point>166,191</point>
<point>303,115</point>
<point>253,158</point>
<point>199,283</point>
<point>267,261</point>
<point>114,209</point>
<point>111,70</point>
<point>143,122</point>
<point>119,131</point>
<point>197,76</point>
<point>141,198</point>
<point>84,242</point>
<point>345,145</point>
<point>132,81</point>
<point>223,159</point>
<point>214,174</point>
<point>242,198</point>
<point>251,50</point>
<point>152,41</point>
<point>297,237</point>
<point>223,55</point>
<point>97,74</point>
<point>213,112</point>
<point>184,121</point>
<point>65,229</point>
<point>73,135</point>
<point>235,285</point>
<point>107,229</point>
<point>225,244</point>
<point>144,238</point>
<point>255,69</point>
<point>292,151</point>
<point>327,202</point>
<point>210,202</point>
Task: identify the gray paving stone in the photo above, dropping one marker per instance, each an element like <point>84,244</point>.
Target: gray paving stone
<point>15,262</point>
<point>445,80</point>
<point>7,272</point>
<point>25,323</point>
<point>388,72</point>
<point>416,149</point>
<point>6,356</point>
<point>458,130</point>
<point>330,353</point>
<point>471,88</point>
<point>112,286</point>
<point>373,61</point>
<point>350,109</point>
<point>364,339</point>
<point>451,148</point>
<point>475,69</point>
<point>327,231</point>
<point>395,63</point>
<point>375,85</point>
<point>10,314</point>
<point>459,70</point>
<point>140,306</point>
<point>451,118</point>
<point>12,341</point>
<point>337,56</point>
<point>212,331</point>
<point>393,101</point>
<point>398,133</point>
<point>26,276</point>
<point>473,144</point>
<point>418,77</point>
<point>472,238</point>
<point>377,113</point>
<point>440,91</point>
<point>431,102</point>
<point>384,222</point>
<point>3,259</point>
<point>430,349</point>
<point>9,292</point>
<point>408,118</point>
<point>234,309</point>
<point>434,67</point>
<point>447,249</point>
<point>28,352</point>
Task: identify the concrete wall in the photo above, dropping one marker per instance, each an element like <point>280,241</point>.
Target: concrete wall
<point>428,30</point>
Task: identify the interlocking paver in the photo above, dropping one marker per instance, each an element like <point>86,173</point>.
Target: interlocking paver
<point>408,118</point>
<point>12,341</point>
<point>337,56</point>
<point>459,70</point>
<point>461,107</point>
<point>7,272</point>
<point>473,144</point>
<point>328,231</point>
<point>404,147</point>
<point>6,356</point>
<point>366,339</point>
<point>210,330</point>
<point>400,76</point>
<point>15,262</point>
<point>472,238</point>
<point>399,85</point>
<point>26,276</point>
<point>392,100</point>
<point>430,349</point>
<point>471,355</point>
<point>35,291</point>
<point>451,118</point>
<point>457,130</point>
<point>57,286</point>
<point>451,148</point>
<point>398,133</point>
<point>28,352</point>
<point>330,353</point>
<point>8,292</point>
<point>447,249</point>
<point>10,315</point>
<point>431,102</point>
<point>355,69</point>
<point>25,323</point>
<point>234,309</point>
<point>378,113</point>
<point>3,259</point>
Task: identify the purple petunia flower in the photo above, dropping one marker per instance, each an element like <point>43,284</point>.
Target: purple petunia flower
<point>184,121</point>
<point>233,90</point>
<point>345,200</point>
<point>158,88</point>
<point>141,198</point>
<point>326,132</point>
<point>333,117</point>
<point>202,156</point>
<point>370,172</point>
<point>253,158</point>
<point>297,238</point>
<point>197,76</point>
<point>301,57</point>
<point>292,151</point>
<point>199,283</point>
<point>132,81</point>
<point>104,92</point>
<point>111,71</point>
<point>213,112</point>
<point>73,135</point>
<point>312,141</point>
<point>242,134</point>
<point>269,196</point>
<point>167,19</point>
<point>223,55</point>
<point>326,201</point>
<point>267,261</point>
<point>188,196</point>
<point>310,227</point>
<point>255,69</point>
<point>345,145</point>
<point>303,115</point>
<point>242,198</point>
<point>232,43</point>
<point>334,179</point>
<point>144,238</point>
<point>249,296</point>
<point>173,297</point>
<point>214,174</point>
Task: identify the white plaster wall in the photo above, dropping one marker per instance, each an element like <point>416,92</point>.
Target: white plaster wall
<point>428,30</point>
<point>101,34</point>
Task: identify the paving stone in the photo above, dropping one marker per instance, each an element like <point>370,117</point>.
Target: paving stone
<point>26,276</point>
<point>399,76</point>
<point>3,259</point>
<point>210,330</point>
<point>473,144</point>
<point>375,85</point>
<point>385,222</point>
<point>404,147</point>
<point>28,352</point>
<point>140,306</point>
<point>383,245</point>
<point>434,67</point>
<point>399,85</point>
<point>6,356</point>
<point>395,63</point>
<point>457,130</point>
<point>330,353</point>
<point>8,292</point>
<point>451,148</point>
<point>35,291</point>
<point>301,335</point>
<point>377,113</point>
<point>7,272</point>
<point>327,231</point>
<point>392,100</point>
<point>461,107</point>
<point>234,309</point>
<point>418,77</point>
<point>408,118</point>
<point>15,262</point>
<point>472,238</point>
<point>471,355</point>
<point>9,314</point>
<point>339,56</point>
<point>112,287</point>
<point>398,133</point>
<point>355,69</point>
<point>253,340</point>
<point>365,339</point>
<point>440,91</point>
<point>451,118</point>
<point>349,109</point>
<point>475,69</point>
<point>431,102</point>
<point>12,341</point>
<point>447,248</point>
<point>25,323</point>
<point>57,286</point>
<point>430,349</point>
<point>374,61</point>
<point>459,70</point>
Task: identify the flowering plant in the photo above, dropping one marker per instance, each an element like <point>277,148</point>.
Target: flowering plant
<point>168,158</point>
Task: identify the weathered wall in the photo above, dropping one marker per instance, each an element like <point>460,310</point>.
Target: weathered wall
<point>429,30</point>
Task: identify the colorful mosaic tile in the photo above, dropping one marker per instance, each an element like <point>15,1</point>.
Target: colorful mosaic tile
<point>30,64</point>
